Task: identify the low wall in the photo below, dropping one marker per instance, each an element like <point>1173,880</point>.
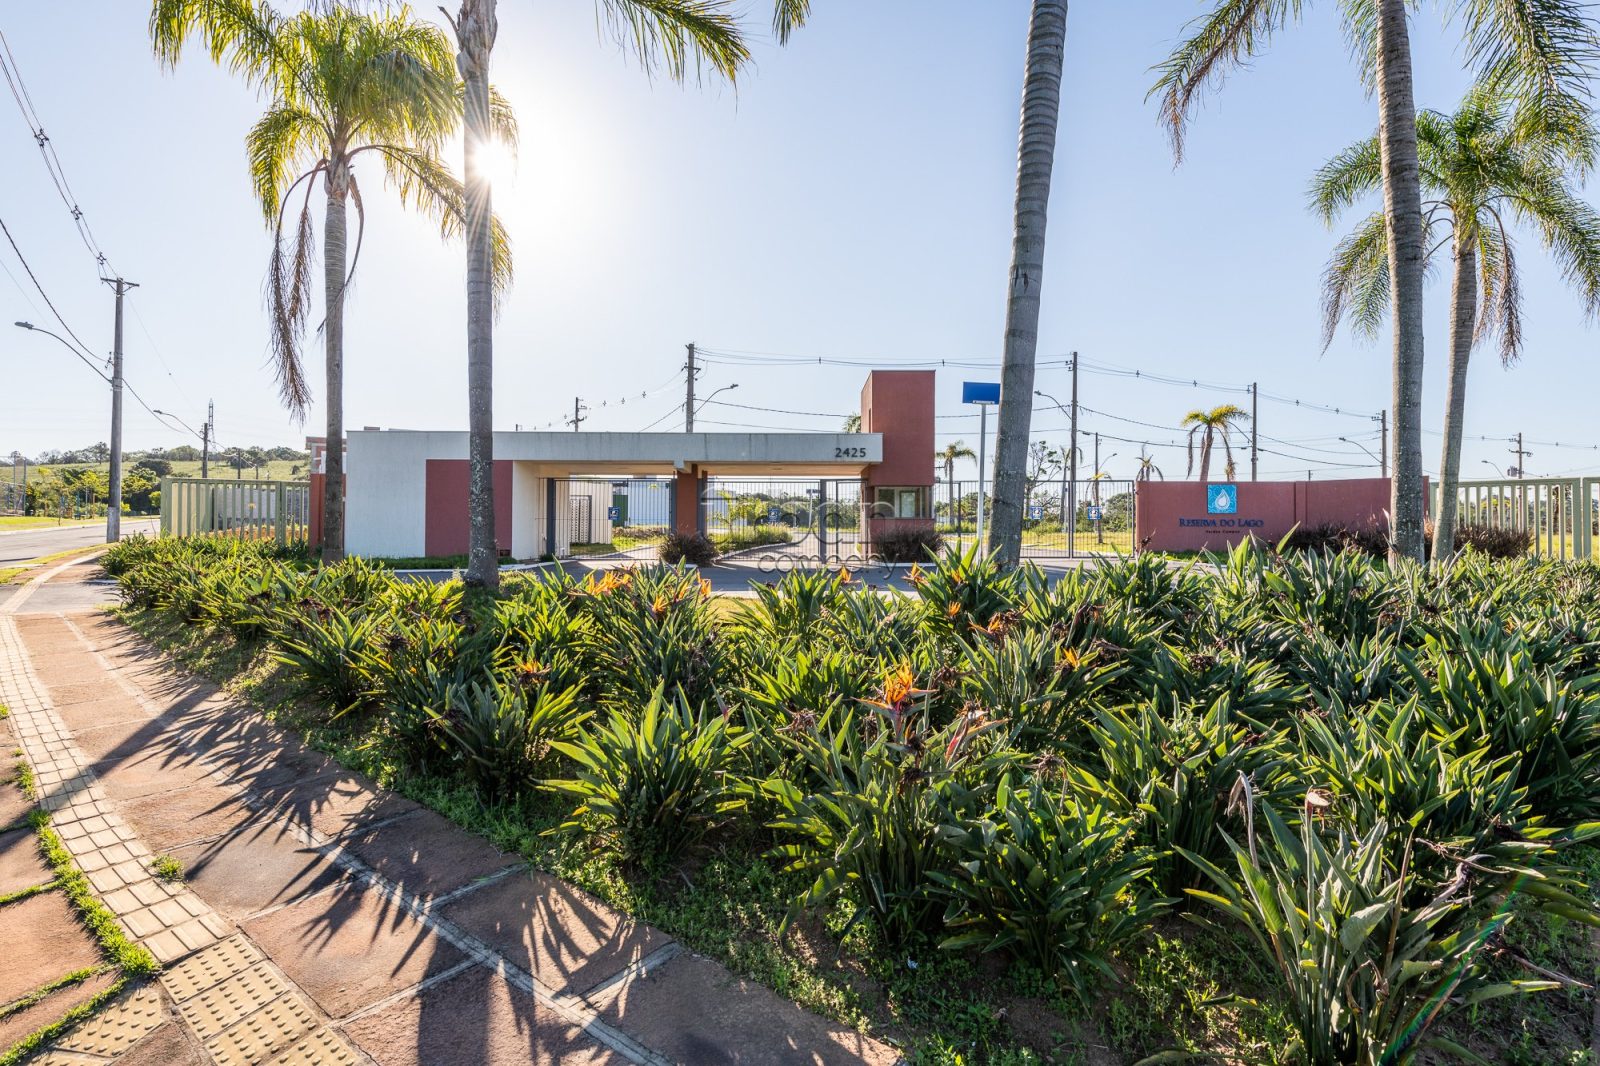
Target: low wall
<point>1178,516</point>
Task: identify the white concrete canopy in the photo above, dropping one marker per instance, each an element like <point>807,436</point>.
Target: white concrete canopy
<point>387,471</point>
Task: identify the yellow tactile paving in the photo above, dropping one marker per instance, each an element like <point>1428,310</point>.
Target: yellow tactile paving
<point>259,1036</point>
<point>132,1016</point>
<point>223,1005</point>
<point>210,967</point>
<point>321,1048</point>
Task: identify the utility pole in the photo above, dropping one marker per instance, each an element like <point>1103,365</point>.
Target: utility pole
<point>1072,465</point>
<point>1383,442</point>
<point>688,400</point>
<point>205,439</point>
<point>114,504</point>
<point>1522,454</point>
<point>1254,410</point>
<point>578,416</point>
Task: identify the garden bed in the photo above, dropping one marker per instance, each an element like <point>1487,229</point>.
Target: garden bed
<point>845,794</point>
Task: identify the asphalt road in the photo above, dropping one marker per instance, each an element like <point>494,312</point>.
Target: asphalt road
<point>21,545</point>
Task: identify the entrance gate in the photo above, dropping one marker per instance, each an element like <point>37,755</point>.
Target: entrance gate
<point>819,520</point>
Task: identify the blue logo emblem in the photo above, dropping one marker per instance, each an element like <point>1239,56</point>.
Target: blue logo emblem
<point>1035,512</point>
<point>1096,513</point>
<point>613,514</point>
<point>773,514</point>
<point>1222,499</point>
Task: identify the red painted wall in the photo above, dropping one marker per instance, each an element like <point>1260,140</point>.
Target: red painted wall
<point>1171,515</point>
<point>899,405</point>
<point>686,488</point>
<point>447,525</point>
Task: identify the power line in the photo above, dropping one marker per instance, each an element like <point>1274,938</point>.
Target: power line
<point>33,278</point>
<point>47,152</point>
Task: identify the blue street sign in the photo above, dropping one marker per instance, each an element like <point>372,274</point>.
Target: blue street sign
<point>1035,511</point>
<point>1096,512</point>
<point>1222,499</point>
<point>613,514</point>
<point>773,514</point>
<point>980,392</point>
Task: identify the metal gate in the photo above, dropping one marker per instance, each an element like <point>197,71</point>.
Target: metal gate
<point>816,521</point>
<point>1098,518</point>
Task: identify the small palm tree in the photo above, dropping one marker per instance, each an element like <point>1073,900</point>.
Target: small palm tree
<point>1209,426</point>
<point>951,454</point>
<point>1484,169</point>
<point>342,85</point>
<point>1148,468</point>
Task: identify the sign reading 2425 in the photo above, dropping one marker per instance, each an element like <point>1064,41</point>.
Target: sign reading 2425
<point>1222,499</point>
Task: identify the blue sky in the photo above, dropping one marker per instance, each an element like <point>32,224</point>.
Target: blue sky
<point>851,199</point>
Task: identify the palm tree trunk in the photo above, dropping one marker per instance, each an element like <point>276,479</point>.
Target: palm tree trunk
<point>1463,310</point>
<point>333,276</point>
<point>1041,108</point>
<point>475,32</point>
<point>1205,456</point>
<point>1402,205</point>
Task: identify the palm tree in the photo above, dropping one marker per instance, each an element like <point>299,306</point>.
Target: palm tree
<point>951,454</point>
<point>669,33</point>
<point>1209,426</point>
<point>1483,169</point>
<point>1148,468</point>
<point>1036,150</point>
<point>342,84</point>
<point>1533,52</point>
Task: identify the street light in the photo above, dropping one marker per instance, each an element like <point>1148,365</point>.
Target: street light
<point>114,505</point>
<point>1364,448</point>
<point>714,395</point>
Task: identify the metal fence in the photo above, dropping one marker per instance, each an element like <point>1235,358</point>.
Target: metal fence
<point>254,510</point>
<point>1562,514</point>
<point>1101,518</point>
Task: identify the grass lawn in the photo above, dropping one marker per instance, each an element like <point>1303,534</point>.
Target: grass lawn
<point>18,521</point>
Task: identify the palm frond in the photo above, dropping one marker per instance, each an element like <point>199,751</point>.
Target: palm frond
<point>674,34</point>
<point>275,147</point>
<point>788,16</point>
<point>288,296</point>
<point>1234,32</point>
<point>1355,284</point>
<point>1539,52</point>
<point>1346,178</point>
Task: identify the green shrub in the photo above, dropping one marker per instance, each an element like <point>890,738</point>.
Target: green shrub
<point>908,544</point>
<point>869,824</point>
<point>1056,882</point>
<point>653,785</point>
<point>650,628</point>
<point>330,651</point>
<point>503,735</point>
<point>1370,957</point>
<point>744,537</point>
<point>693,548</point>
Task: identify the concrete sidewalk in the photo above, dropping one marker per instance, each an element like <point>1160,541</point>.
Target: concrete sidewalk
<point>323,920</point>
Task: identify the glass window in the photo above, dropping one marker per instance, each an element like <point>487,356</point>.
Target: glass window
<point>898,502</point>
